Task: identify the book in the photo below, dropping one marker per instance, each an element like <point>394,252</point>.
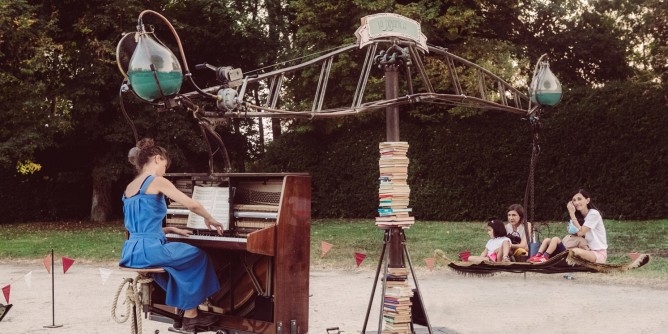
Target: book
<point>216,200</point>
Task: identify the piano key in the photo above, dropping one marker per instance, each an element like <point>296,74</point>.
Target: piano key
<point>205,237</point>
<point>184,212</point>
<point>255,214</point>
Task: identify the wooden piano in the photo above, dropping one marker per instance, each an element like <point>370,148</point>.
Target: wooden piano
<point>262,261</point>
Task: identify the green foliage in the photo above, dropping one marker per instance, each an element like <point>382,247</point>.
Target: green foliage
<point>608,140</point>
<point>60,92</point>
<point>29,59</point>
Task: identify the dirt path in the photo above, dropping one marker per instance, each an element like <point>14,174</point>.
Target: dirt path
<point>454,303</point>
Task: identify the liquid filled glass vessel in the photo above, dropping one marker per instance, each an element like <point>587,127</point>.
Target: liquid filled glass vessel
<point>153,70</point>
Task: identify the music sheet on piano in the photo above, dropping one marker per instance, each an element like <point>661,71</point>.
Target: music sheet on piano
<point>216,200</point>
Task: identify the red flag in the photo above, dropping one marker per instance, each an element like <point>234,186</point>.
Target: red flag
<point>326,247</point>
<point>359,257</point>
<point>47,263</point>
<point>67,263</point>
<point>5,291</point>
<point>430,263</point>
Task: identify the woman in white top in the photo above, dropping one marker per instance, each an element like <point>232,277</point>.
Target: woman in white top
<point>515,230</point>
<point>588,223</point>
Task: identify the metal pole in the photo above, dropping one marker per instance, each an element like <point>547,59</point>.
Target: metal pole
<point>53,296</point>
<point>396,255</point>
<point>392,112</point>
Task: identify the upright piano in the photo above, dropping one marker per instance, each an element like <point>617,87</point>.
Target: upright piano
<point>262,261</point>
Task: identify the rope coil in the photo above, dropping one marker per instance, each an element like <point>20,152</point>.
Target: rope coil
<point>133,297</point>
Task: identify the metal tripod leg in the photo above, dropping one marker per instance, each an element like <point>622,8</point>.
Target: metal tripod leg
<point>417,286</point>
<point>375,281</point>
<point>384,259</point>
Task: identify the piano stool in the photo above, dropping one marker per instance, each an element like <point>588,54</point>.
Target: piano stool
<point>143,271</point>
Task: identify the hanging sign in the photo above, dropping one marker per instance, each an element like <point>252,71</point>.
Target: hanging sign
<point>386,25</point>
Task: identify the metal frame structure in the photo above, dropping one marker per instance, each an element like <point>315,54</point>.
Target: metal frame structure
<point>483,90</point>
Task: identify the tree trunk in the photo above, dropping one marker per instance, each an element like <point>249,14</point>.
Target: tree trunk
<point>275,128</point>
<point>101,204</point>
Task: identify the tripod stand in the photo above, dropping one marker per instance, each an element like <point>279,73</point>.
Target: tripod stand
<point>394,258</point>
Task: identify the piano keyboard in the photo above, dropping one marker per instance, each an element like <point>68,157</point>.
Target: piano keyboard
<point>256,214</point>
<point>205,237</point>
<point>183,212</point>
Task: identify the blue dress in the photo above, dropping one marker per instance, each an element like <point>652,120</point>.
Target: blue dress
<point>190,276</point>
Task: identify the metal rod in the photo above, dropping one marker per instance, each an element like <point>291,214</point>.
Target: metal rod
<point>382,298</point>
<point>375,281</point>
<point>324,83</point>
<point>417,286</point>
<point>367,62</point>
<point>53,296</point>
<point>317,90</point>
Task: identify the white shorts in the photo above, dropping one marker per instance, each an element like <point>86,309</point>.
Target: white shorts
<point>601,255</point>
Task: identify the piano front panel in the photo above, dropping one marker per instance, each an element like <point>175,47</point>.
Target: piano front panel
<point>273,246</point>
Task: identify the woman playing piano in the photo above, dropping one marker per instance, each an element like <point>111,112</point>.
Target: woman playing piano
<point>190,276</point>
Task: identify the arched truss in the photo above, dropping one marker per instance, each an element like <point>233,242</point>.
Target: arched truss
<point>488,91</point>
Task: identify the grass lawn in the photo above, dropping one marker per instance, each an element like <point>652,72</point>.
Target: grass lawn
<point>103,242</point>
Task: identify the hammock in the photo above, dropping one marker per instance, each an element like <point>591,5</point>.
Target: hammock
<point>565,262</point>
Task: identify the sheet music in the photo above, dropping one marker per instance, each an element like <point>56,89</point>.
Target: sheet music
<point>216,200</point>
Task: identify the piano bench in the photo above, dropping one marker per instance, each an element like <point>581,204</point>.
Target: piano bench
<point>143,271</point>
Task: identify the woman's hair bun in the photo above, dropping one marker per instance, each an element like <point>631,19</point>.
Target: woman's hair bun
<point>145,143</point>
<point>133,155</point>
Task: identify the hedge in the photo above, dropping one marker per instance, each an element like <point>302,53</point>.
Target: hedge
<point>610,140</point>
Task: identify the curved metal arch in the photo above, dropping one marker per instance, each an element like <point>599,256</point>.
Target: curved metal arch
<point>488,92</point>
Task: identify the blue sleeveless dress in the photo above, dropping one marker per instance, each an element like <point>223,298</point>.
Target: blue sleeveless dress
<point>190,276</point>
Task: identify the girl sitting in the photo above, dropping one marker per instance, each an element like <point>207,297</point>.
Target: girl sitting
<point>498,245</point>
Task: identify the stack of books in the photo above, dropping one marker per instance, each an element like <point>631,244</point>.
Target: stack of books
<point>397,302</point>
<point>394,191</point>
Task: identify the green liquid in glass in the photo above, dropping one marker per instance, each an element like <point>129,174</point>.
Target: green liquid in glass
<point>546,99</point>
<point>144,85</point>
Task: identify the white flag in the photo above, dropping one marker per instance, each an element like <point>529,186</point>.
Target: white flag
<point>28,278</point>
<point>104,275</point>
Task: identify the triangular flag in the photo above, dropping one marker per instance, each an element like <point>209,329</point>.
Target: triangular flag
<point>5,292</point>
<point>104,275</point>
<point>326,247</point>
<point>430,263</point>
<point>359,257</point>
<point>67,263</point>
<point>28,278</point>
<point>47,263</point>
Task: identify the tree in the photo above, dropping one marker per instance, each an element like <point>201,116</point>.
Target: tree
<point>35,107</point>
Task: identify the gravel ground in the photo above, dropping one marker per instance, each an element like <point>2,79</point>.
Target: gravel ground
<point>509,303</point>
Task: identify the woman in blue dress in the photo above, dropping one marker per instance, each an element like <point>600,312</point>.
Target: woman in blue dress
<point>190,276</point>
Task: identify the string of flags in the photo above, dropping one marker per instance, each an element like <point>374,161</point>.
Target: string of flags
<point>325,247</point>
<point>67,263</point>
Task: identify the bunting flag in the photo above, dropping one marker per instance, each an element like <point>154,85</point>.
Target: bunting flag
<point>47,263</point>
<point>28,279</point>
<point>430,263</point>
<point>359,257</point>
<point>67,263</point>
<point>5,292</point>
<point>326,247</point>
<point>104,275</point>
